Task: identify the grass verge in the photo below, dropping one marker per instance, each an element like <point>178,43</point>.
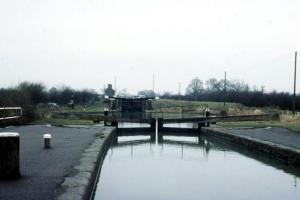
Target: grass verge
<point>55,121</point>
<point>291,126</point>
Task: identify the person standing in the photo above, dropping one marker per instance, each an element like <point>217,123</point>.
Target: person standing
<point>207,113</point>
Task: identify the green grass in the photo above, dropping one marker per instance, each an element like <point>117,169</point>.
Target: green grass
<point>166,105</point>
<point>55,121</point>
<point>46,114</point>
<point>163,103</point>
<point>97,107</point>
<point>292,126</point>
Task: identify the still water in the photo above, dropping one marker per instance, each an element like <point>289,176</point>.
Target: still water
<point>188,168</point>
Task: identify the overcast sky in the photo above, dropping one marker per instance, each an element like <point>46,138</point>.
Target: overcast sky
<point>86,43</point>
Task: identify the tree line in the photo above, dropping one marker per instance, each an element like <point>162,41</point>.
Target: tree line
<point>235,91</point>
<point>28,94</point>
<point>32,93</point>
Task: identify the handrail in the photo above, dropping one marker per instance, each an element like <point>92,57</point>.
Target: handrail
<point>7,114</point>
<point>12,117</point>
<point>10,108</point>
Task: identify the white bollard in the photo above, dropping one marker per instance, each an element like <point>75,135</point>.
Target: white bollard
<point>47,140</point>
<point>9,155</point>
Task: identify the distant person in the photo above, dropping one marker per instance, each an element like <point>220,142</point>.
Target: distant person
<point>71,104</point>
<point>207,112</point>
<point>105,111</point>
<point>105,114</point>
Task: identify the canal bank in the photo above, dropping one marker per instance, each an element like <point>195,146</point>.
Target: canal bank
<point>277,143</point>
<point>79,184</point>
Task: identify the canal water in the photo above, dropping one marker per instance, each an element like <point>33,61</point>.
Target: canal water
<point>189,168</point>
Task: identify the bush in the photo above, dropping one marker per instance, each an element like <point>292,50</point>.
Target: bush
<point>28,95</point>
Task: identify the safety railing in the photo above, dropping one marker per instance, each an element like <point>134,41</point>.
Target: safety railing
<point>10,114</point>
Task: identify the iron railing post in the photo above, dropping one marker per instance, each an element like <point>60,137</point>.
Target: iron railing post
<point>4,117</point>
<point>181,112</point>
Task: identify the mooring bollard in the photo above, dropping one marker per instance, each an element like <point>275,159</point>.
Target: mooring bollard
<point>47,140</point>
<point>9,155</point>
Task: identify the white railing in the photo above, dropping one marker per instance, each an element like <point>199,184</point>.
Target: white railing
<point>10,113</point>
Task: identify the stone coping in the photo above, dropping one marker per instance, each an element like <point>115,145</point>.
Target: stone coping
<point>78,185</point>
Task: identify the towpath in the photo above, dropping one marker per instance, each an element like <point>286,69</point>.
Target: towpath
<point>42,169</point>
<point>275,135</point>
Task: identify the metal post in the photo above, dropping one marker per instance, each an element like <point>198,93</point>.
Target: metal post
<point>115,84</point>
<point>4,118</point>
<point>196,88</point>
<point>225,90</point>
<point>295,76</point>
<point>153,84</point>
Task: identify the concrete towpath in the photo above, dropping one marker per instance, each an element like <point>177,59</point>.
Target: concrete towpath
<point>275,135</point>
<point>42,169</point>
<point>279,143</point>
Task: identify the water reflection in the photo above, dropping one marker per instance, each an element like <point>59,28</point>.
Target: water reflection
<point>198,167</point>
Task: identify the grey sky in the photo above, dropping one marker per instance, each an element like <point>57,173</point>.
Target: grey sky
<point>84,44</point>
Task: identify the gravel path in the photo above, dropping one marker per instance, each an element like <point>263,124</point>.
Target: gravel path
<point>42,169</point>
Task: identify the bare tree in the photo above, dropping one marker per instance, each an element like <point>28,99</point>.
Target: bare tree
<point>213,85</point>
<point>195,88</point>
